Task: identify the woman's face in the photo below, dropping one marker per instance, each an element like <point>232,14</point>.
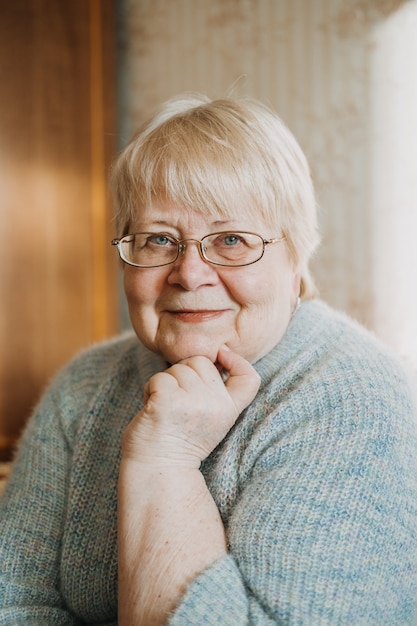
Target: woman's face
<point>192,308</point>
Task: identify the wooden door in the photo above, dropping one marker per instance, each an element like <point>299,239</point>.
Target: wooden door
<point>57,138</point>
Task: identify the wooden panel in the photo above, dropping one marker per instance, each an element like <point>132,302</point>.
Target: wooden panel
<point>57,129</point>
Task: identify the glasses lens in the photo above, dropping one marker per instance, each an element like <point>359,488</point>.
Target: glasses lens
<point>148,249</point>
<point>233,248</point>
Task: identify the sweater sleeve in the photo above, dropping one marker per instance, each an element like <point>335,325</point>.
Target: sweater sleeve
<point>324,529</point>
<point>32,517</point>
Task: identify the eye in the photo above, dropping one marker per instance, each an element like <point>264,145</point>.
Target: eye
<point>232,239</point>
<point>160,240</point>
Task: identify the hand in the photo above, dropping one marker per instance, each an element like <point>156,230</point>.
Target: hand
<point>189,410</point>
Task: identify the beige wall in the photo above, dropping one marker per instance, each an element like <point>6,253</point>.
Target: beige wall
<point>342,75</point>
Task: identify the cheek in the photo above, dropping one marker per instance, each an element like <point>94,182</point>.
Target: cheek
<point>259,290</point>
<point>141,288</point>
<point>245,285</point>
<point>141,293</point>
<point>266,302</point>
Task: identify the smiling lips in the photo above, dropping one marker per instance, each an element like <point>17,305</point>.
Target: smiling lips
<point>197,316</point>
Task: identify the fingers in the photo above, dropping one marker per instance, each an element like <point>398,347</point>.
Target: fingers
<point>192,371</point>
<point>188,407</point>
<point>160,381</point>
<point>187,375</point>
<point>243,382</point>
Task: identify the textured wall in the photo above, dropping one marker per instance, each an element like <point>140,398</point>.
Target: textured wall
<point>342,75</point>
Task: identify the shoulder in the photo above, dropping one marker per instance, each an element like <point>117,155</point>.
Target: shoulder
<point>106,353</point>
<point>359,353</point>
<point>98,362</point>
<point>330,364</point>
<point>338,395</point>
<point>101,370</point>
<point>334,340</point>
<point>101,380</point>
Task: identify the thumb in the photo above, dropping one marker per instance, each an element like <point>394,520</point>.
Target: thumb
<point>243,381</point>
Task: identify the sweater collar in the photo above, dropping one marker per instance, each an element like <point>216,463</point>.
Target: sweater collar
<point>305,324</point>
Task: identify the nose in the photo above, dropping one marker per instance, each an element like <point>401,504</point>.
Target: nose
<point>190,270</point>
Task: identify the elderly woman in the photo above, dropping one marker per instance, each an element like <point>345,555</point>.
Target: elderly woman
<point>239,458</point>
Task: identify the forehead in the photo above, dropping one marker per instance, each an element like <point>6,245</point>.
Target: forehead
<point>164,215</point>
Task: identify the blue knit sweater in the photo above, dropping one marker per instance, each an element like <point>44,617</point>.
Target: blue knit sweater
<point>316,484</point>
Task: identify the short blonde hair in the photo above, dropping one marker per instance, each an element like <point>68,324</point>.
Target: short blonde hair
<point>226,157</point>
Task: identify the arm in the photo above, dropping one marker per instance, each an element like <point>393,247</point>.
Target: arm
<point>170,529</point>
<point>324,526</point>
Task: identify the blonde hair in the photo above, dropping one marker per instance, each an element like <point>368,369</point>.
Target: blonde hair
<point>225,157</point>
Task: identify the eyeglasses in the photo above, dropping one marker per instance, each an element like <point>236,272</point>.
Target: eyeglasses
<point>229,249</point>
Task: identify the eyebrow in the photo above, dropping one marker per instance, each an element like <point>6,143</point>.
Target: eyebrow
<point>164,223</point>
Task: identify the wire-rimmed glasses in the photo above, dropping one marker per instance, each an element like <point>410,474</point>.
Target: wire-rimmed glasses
<point>226,248</point>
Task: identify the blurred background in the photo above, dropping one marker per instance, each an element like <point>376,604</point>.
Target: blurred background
<point>76,80</point>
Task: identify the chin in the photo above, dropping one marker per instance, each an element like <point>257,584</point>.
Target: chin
<point>177,357</point>
<point>174,354</point>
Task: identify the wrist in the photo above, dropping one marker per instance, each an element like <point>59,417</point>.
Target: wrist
<point>159,458</point>
<point>146,443</point>
<point>149,481</point>
<point>159,454</point>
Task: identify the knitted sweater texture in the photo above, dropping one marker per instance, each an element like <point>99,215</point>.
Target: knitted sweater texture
<point>316,484</point>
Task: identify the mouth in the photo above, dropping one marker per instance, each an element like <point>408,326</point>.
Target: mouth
<point>196,316</point>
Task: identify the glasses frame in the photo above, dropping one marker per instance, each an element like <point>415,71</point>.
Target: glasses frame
<point>182,245</point>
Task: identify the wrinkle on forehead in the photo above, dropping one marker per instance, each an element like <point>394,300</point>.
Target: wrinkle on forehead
<point>184,220</point>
